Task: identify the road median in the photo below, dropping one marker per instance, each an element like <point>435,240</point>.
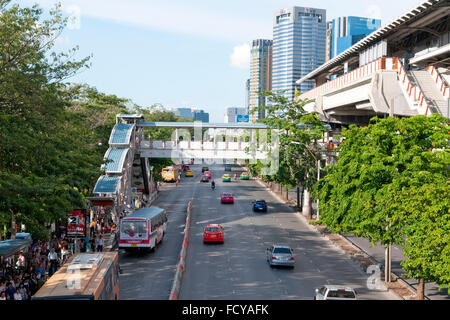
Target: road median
<point>182,257</point>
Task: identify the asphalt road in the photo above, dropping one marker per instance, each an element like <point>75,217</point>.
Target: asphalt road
<point>238,268</point>
<point>149,276</point>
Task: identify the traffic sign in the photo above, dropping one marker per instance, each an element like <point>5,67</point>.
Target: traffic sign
<point>242,118</point>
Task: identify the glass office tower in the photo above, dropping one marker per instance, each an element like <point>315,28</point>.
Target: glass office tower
<point>299,41</point>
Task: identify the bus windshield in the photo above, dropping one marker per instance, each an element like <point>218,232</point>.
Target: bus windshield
<point>130,226</point>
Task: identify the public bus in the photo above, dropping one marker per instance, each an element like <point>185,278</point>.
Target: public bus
<point>143,229</point>
<point>170,174</point>
<point>85,276</point>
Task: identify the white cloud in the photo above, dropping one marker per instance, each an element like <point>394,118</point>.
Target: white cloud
<point>240,58</point>
<point>171,16</point>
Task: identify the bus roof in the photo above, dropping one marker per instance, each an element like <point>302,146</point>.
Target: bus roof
<point>147,213</point>
<point>81,277</point>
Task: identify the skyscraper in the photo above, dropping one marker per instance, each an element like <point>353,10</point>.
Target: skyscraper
<point>299,41</point>
<point>200,115</point>
<point>260,76</point>
<point>232,114</point>
<point>346,31</point>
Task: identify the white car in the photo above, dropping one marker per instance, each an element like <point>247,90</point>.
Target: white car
<point>329,292</point>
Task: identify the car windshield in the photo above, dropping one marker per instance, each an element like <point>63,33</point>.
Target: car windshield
<point>260,202</point>
<point>282,250</point>
<point>213,229</point>
<point>227,194</point>
<point>341,294</point>
<point>129,226</point>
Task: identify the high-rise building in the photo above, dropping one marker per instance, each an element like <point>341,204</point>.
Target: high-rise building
<point>232,114</point>
<point>200,115</point>
<point>346,31</point>
<point>329,40</point>
<point>247,95</point>
<point>260,76</point>
<point>184,113</point>
<point>299,41</point>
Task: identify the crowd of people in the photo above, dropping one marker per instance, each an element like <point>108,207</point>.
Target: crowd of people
<point>22,275</point>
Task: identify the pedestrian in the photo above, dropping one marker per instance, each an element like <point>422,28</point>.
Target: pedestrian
<point>10,291</point>
<point>99,227</point>
<point>23,292</point>
<point>41,269</point>
<point>2,286</point>
<point>92,228</point>
<point>100,244</point>
<point>88,246</point>
<point>331,145</point>
<point>33,284</point>
<point>3,295</point>
<point>53,258</point>
<point>17,295</point>
<point>63,254</point>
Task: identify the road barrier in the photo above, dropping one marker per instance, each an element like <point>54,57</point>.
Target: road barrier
<point>182,258</point>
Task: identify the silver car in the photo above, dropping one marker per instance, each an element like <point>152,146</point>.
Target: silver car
<point>329,292</point>
<point>280,256</point>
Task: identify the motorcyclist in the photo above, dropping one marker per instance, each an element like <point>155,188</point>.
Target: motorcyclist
<point>213,185</point>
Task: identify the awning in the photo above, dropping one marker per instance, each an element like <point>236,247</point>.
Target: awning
<point>107,184</point>
<point>11,247</point>
<point>116,157</point>
<point>101,201</point>
<point>121,134</point>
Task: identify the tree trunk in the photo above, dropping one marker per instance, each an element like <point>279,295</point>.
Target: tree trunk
<point>421,290</point>
<point>387,264</point>
<point>13,225</point>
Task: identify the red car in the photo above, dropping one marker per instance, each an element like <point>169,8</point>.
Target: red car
<point>213,233</point>
<point>207,173</point>
<point>227,197</point>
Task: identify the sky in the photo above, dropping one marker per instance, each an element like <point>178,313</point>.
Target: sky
<point>191,53</point>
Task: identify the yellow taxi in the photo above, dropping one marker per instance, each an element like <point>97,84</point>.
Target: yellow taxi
<point>189,173</point>
<point>226,178</point>
<point>244,176</point>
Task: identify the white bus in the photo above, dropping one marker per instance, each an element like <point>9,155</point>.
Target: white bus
<point>142,229</point>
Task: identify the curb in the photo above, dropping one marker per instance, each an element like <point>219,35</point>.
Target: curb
<point>182,257</point>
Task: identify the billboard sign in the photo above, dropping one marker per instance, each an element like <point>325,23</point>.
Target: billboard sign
<point>76,224</point>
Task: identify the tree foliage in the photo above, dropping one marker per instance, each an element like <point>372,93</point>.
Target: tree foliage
<point>390,185</point>
<point>298,133</point>
<point>49,131</point>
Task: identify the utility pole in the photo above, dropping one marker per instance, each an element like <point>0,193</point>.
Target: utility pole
<point>387,267</point>
<point>318,178</point>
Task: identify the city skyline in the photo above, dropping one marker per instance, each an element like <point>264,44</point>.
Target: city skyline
<point>199,43</point>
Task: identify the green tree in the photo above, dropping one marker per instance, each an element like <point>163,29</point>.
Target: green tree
<point>378,167</point>
<point>43,160</point>
<point>298,135</point>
